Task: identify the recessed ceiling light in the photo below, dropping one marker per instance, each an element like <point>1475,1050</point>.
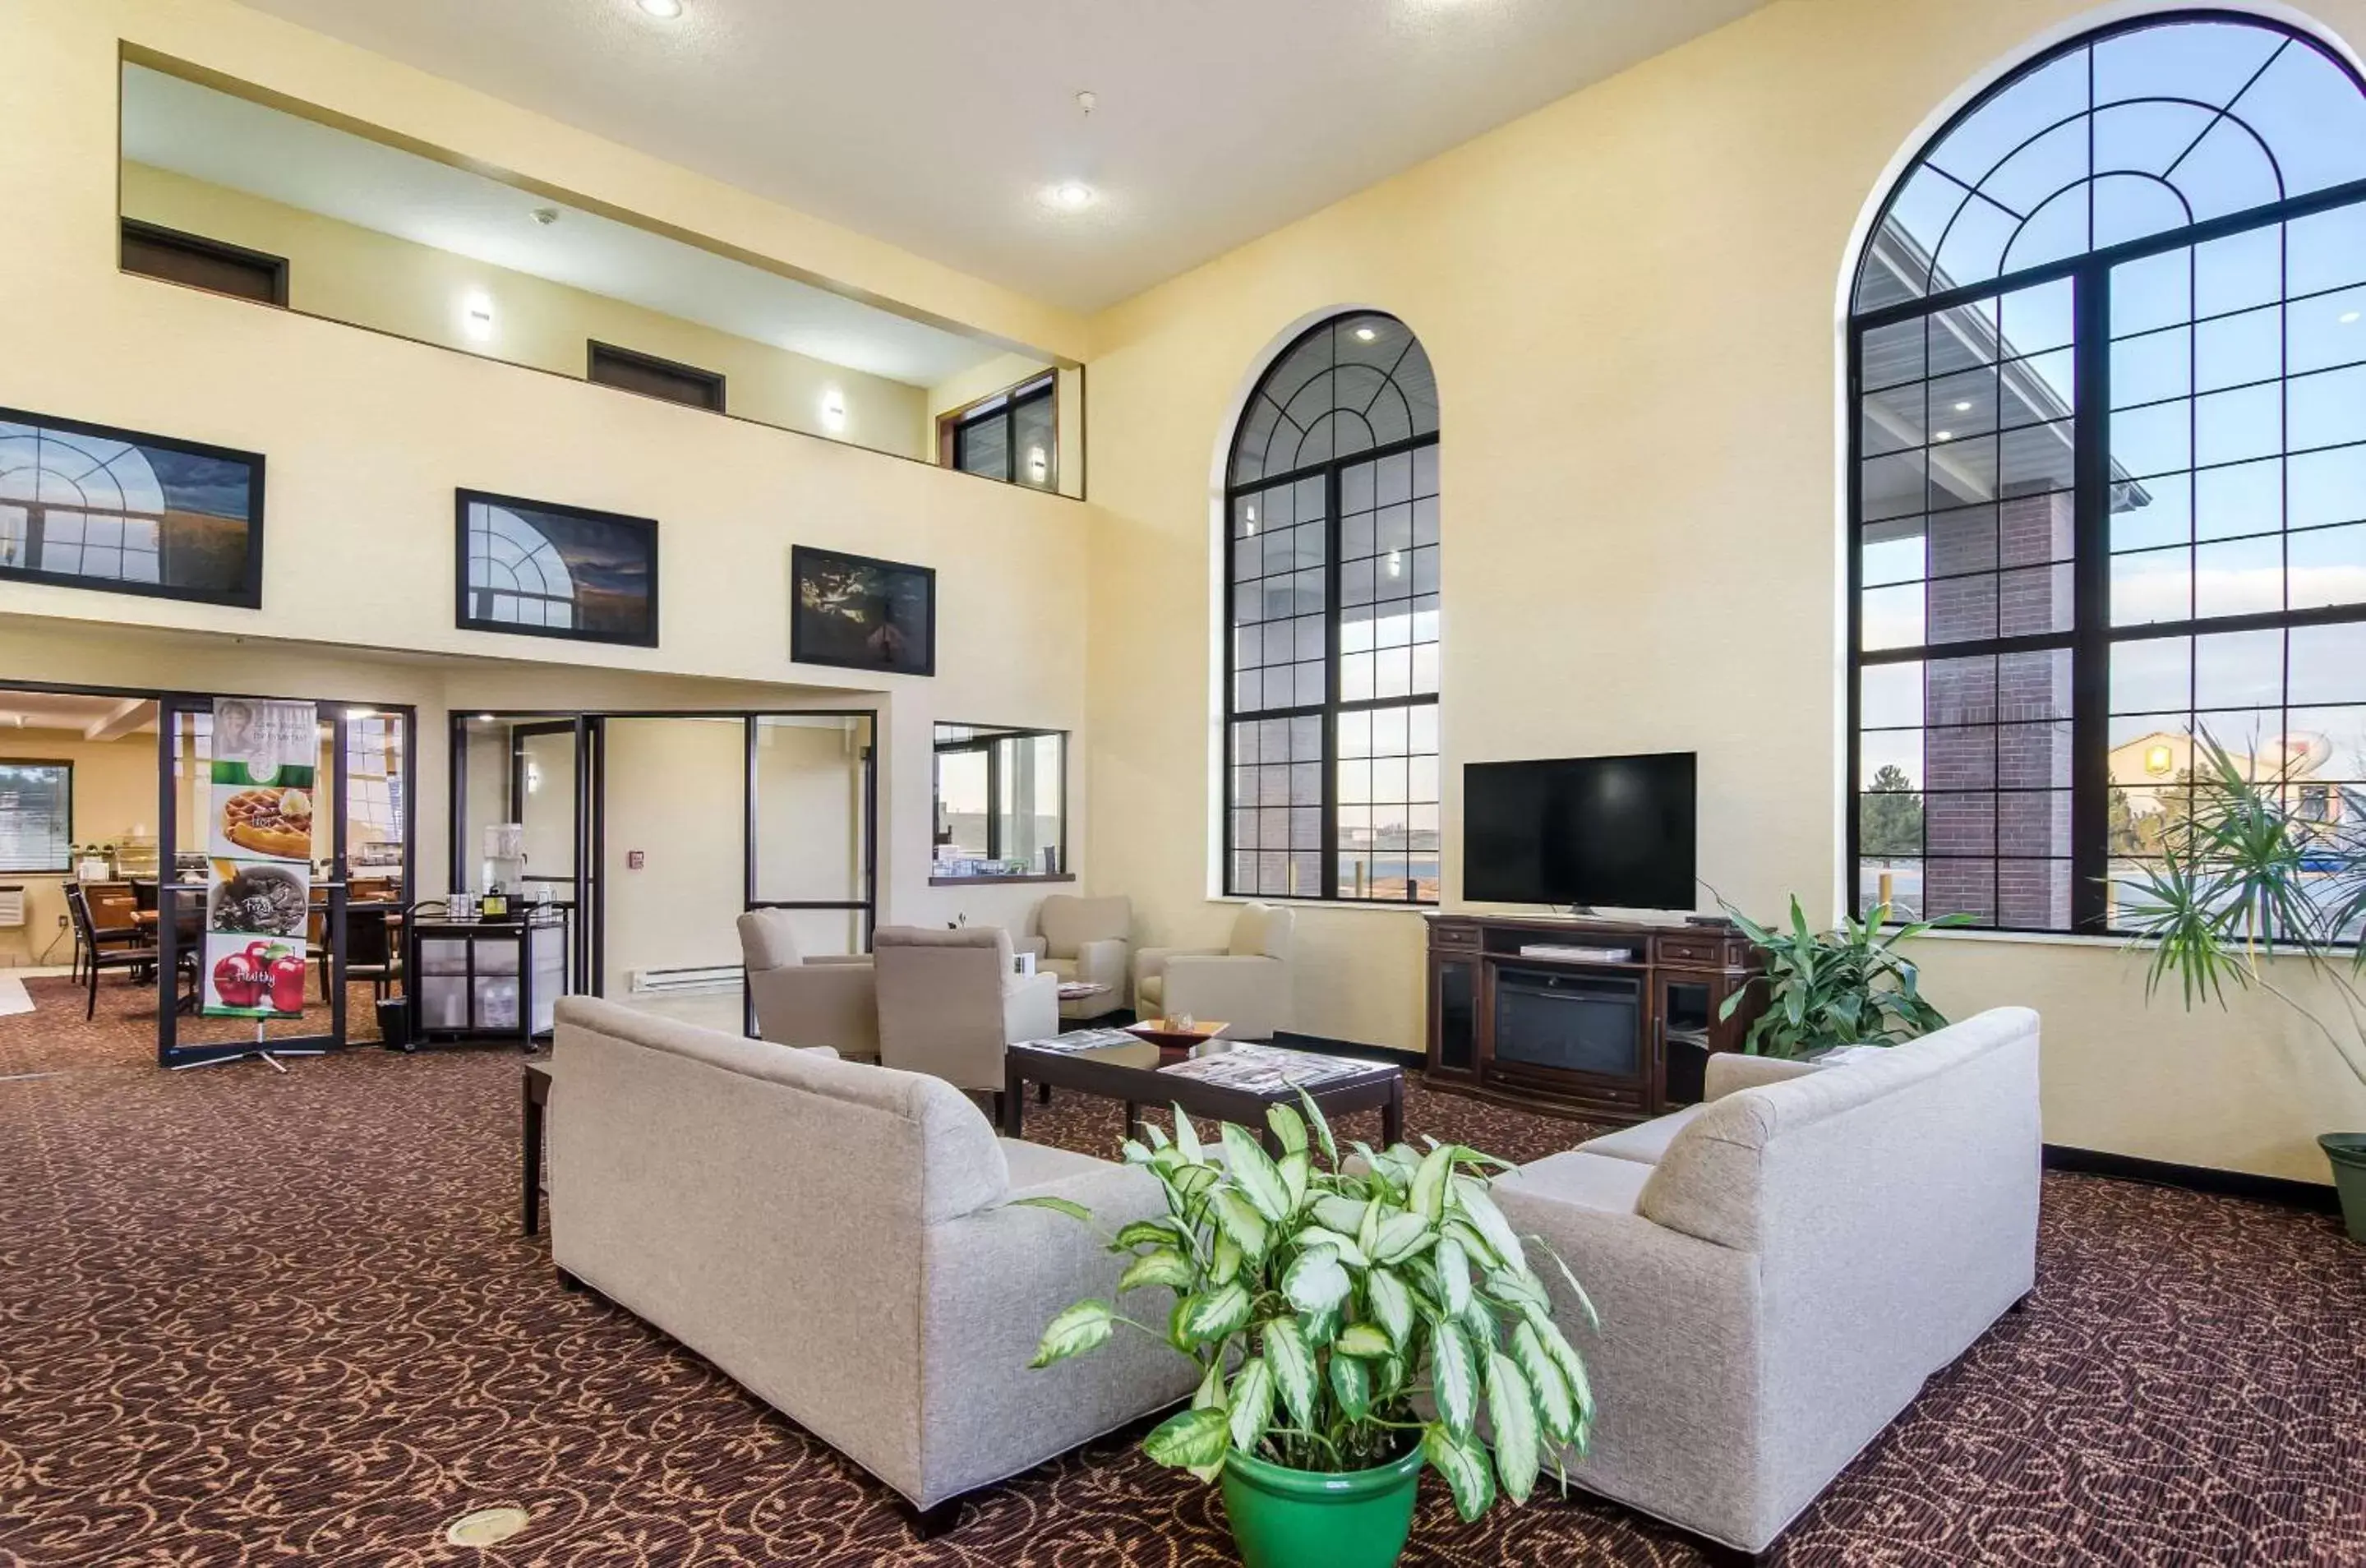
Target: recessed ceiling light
<point>1071,195</point>
<point>1365,334</point>
<point>664,10</point>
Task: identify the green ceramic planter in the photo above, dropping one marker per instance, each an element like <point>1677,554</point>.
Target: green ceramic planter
<point>1297,1518</point>
<point>2348,1152</point>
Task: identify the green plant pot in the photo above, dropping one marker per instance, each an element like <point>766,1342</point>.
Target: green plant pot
<point>1297,1518</point>
<point>2348,1152</point>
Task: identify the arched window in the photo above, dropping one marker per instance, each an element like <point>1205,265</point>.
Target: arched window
<point>515,573</point>
<point>1331,661</point>
<point>2109,481</point>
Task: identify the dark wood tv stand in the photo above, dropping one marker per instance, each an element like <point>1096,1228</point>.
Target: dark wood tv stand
<point>1606,1041</point>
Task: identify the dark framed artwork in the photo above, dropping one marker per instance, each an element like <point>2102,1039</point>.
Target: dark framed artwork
<point>861,614</point>
<point>537,568</point>
<point>90,506</point>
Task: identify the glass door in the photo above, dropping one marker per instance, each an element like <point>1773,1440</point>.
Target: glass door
<point>532,773</point>
<point>812,815</point>
<point>350,829</point>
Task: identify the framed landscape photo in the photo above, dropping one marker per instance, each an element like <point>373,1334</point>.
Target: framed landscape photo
<point>861,614</point>
<point>537,568</point>
<point>90,506</point>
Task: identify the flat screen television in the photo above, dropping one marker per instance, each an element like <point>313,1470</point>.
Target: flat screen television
<point>1585,830</point>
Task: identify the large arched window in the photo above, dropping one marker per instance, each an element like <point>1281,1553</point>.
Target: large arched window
<point>1331,657</point>
<point>2109,481</point>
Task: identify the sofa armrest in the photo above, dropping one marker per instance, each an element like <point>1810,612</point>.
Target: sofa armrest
<point>818,1004</point>
<point>993,1280</point>
<point>840,960</point>
<point>1251,994</point>
<point>1676,1362</point>
<point>1103,964</point>
<point>1152,960</point>
<point>1031,1007</point>
<point>1729,1072</point>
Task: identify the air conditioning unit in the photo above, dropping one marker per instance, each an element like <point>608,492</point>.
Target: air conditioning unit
<point>686,977</point>
<point>12,906</point>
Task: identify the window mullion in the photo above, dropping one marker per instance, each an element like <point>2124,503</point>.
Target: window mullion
<point>2091,669</point>
<point>1327,871</point>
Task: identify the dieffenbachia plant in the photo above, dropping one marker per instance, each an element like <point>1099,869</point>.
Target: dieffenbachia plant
<point>1322,1303</point>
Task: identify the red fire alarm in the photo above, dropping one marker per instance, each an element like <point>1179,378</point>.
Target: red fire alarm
<point>634,858</point>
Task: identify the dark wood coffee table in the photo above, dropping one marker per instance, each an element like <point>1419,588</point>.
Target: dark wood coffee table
<point>1130,1073</point>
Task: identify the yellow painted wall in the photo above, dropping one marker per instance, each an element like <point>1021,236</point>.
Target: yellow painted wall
<point>1631,300</point>
<point>369,434</point>
<point>351,273</point>
<point>114,795</point>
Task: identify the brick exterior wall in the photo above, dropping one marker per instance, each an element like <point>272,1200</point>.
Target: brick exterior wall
<point>1999,722</point>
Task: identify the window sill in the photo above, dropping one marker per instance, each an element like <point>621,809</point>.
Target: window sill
<point>1364,906</point>
<point>978,881</point>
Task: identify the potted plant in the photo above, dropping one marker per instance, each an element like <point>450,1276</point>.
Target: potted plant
<point>1326,1308</point>
<point>1830,990</point>
<point>2246,875</point>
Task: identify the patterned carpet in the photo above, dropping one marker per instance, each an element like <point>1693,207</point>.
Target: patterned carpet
<point>249,1317</point>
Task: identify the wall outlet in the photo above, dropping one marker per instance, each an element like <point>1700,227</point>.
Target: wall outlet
<point>61,922</point>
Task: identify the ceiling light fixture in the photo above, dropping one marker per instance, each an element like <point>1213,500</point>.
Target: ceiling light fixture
<point>1963,407</point>
<point>484,719</point>
<point>1071,195</point>
<point>1945,435</point>
<point>2348,318</point>
<point>663,10</point>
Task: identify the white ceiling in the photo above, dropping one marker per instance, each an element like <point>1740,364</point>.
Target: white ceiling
<point>937,124</point>
<point>212,136</point>
<point>92,718</point>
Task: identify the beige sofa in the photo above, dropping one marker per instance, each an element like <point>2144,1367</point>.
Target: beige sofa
<point>1245,984</point>
<point>826,999</point>
<point>1779,1269</point>
<point>1085,939</point>
<point>839,1238</point>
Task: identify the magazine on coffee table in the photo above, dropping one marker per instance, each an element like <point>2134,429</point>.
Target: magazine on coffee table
<point>1078,1040</point>
<point>1265,1069</point>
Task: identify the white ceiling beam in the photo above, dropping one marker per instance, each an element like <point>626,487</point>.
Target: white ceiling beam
<point>126,717</point>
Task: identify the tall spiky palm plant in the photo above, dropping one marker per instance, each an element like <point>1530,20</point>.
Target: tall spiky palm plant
<point>2242,878</point>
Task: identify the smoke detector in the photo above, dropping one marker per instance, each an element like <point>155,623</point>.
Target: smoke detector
<point>546,215</point>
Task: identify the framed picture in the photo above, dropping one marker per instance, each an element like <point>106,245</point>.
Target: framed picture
<point>862,613</point>
<point>537,568</point>
<point>89,506</point>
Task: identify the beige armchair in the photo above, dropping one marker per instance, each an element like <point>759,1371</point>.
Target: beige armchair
<point>1085,939</point>
<point>1246,985</point>
<point>827,999</point>
<point>949,1003</point>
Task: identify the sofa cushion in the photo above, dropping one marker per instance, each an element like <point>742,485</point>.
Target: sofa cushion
<point>1151,989</point>
<point>1645,1140</point>
<point>1067,923</point>
<point>1589,1180</point>
<point>963,1168</point>
<point>1263,930</point>
<point>1708,1182</point>
<point>1039,1165</point>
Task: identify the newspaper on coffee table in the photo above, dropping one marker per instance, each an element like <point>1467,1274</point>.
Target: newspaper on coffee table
<point>1267,1069</point>
<point>1078,1040</point>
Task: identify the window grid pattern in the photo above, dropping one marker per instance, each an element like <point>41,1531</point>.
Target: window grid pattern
<point>516,575</point>
<point>1332,653</point>
<point>79,505</point>
<point>2109,506</point>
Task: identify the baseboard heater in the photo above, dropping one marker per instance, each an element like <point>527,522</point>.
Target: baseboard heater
<point>685,977</point>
